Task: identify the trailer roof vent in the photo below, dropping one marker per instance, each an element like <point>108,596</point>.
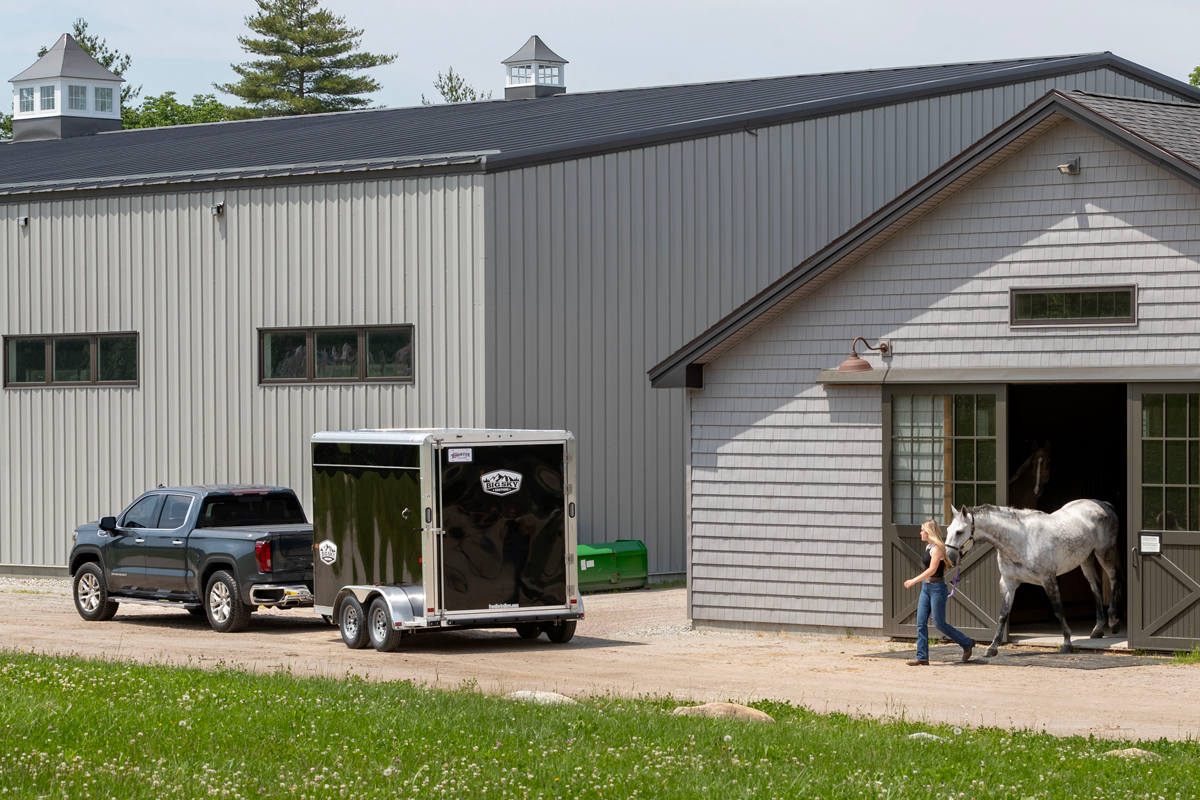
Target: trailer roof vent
<point>534,71</point>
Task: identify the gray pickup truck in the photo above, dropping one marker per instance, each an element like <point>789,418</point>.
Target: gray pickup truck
<point>216,551</point>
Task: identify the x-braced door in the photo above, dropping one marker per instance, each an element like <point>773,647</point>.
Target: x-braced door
<point>944,447</point>
<point>1163,571</point>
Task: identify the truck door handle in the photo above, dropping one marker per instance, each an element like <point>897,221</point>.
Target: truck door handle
<point>139,541</point>
<point>177,542</point>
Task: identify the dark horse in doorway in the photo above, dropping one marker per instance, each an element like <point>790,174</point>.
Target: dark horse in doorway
<point>1025,487</point>
<point>1034,547</point>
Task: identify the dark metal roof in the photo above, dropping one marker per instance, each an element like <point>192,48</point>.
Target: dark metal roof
<point>506,133</point>
<point>66,59</point>
<point>535,50</point>
<point>1166,133</point>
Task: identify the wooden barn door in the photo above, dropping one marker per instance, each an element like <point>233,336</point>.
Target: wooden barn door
<point>1163,568</point>
<point>944,447</point>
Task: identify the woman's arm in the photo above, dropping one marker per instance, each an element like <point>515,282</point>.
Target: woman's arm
<point>935,558</point>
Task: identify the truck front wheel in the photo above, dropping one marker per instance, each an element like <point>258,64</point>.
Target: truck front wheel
<point>384,637</point>
<point>91,594</point>
<point>223,604</point>
<point>353,623</point>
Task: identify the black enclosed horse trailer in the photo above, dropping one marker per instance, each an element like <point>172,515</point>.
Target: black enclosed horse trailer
<point>445,528</point>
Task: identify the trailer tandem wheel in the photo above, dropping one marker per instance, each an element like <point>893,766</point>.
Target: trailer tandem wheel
<point>384,637</point>
<point>353,624</point>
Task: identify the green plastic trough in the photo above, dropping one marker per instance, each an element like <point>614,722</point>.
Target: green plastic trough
<point>622,564</point>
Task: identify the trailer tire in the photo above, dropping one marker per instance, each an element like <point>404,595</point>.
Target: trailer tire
<point>353,624</point>
<point>91,594</point>
<point>560,632</point>
<point>528,630</point>
<point>223,604</point>
<point>384,637</point>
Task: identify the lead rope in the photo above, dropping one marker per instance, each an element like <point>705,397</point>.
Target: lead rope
<point>954,585</point>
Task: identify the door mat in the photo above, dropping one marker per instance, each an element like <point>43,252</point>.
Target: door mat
<point>1009,656</point>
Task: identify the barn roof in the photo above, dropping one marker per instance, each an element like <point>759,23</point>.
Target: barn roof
<point>1164,132</point>
<point>501,134</point>
<point>66,59</point>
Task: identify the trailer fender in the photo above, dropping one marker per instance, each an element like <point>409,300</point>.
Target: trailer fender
<point>404,602</point>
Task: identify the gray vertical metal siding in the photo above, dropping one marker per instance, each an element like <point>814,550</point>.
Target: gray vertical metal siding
<point>602,266</point>
<point>787,475</point>
<point>196,288</point>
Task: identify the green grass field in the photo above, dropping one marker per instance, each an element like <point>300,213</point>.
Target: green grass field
<point>87,729</point>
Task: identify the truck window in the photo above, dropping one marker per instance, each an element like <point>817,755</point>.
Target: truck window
<point>233,511</point>
<point>175,511</point>
<point>144,513</point>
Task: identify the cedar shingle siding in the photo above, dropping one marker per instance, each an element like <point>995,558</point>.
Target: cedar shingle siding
<point>786,475</point>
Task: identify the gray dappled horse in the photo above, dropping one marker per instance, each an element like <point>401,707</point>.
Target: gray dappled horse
<point>1026,485</point>
<point>1035,547</point>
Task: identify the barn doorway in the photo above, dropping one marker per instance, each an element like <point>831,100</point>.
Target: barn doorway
<point>1086,428</point>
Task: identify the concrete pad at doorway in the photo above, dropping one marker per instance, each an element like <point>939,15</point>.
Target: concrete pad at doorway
<point>1080,643</point>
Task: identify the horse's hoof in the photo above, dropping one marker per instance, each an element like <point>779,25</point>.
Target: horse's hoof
<point>1098,633</point>
<point>991,653</point>
<point>1066,648</point>
<point>1115,628</point>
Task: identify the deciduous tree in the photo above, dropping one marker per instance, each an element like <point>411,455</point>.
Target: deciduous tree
<point>163,110</point>
<point>307,61</point>
<point>454,89</point>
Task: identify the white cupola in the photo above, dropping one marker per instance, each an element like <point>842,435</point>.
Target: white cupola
<point>66,93</point>
<point>534,71</point>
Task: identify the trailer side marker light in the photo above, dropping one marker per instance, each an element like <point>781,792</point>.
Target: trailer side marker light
<point>573,601</point>
<point>419,559</point>
<point>431,610</point>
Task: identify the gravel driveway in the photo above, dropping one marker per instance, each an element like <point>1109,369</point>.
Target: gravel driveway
<point>640,643</point>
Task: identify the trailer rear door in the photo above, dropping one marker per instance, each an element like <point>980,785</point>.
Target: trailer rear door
<point>504,522</point>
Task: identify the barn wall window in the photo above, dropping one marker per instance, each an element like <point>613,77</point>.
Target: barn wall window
<point>943,452</point>
<point>85,359</point>
<point>350,354</point>
<point>1106,305</point>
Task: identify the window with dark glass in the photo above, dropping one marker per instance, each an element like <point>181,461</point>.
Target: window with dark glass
<point>1171,462</point>
<point>380,353</point>
<point>71,359</point>
<point>1085,306</point>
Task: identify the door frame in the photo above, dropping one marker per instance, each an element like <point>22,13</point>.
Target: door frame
<point>892,532</point>
<point>1135,610</point>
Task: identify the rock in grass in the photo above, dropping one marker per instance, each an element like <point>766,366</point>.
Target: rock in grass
<point>1135,752</point>
<point>724,711</point>
<point>541,698</point>
<point>924,735</point>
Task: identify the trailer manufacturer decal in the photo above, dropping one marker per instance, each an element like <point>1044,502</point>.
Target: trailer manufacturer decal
<point>502,606</point>
<point>459,455</point>
<point>327,551</point>
<point>501,482</point>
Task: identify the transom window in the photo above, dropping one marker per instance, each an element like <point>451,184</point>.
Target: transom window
<point>26,99</point>
<point>337,355</point>
<point>77,98</point>
<point>104,98</point>
<point>1084,306</point>
<point>71,359</point>
<point>47,94</point>
<point>1170,462</point>
<point>943,452</point>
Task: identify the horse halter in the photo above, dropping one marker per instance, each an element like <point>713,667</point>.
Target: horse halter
<point>970,538</point>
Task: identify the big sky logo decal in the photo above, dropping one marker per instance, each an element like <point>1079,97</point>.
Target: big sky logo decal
<point>501,482</point>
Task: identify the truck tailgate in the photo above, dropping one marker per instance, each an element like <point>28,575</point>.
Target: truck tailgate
<point>292,550</point>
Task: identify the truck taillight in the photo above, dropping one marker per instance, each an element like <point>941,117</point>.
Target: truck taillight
<point>262,552</point>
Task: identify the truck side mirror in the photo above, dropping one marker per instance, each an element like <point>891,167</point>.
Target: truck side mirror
<point>108,523</point>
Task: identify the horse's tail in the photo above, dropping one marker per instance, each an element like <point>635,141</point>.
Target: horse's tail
<point>1114,523</point>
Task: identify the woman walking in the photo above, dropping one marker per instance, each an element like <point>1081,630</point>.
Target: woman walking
<point>934,596</point>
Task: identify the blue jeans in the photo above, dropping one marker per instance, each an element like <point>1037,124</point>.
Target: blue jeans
<point>933,597</point>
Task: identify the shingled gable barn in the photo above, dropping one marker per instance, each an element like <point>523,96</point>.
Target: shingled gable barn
<point>189,304</point>
<point>1041,287</point>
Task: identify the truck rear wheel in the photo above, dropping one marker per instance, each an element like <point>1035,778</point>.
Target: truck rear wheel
<point>384,637</point>
<point>91,594</point>
<point>353,623</point>
<point>223,604</point>
<point>560,632</point>
<point>528,630</point>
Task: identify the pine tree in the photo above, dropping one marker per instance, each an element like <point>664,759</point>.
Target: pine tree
<point>114,61</point>
<point>454,89</point>
<point>306,60</point>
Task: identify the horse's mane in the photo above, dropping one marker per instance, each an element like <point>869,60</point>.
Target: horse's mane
<point>1004,512</point>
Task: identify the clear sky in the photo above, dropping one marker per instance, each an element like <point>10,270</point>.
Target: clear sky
<point>188,45</point>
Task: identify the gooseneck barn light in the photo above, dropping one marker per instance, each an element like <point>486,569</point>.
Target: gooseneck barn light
<point>856,364</point>
<point>1071,167</point>
<point>217,209</point>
